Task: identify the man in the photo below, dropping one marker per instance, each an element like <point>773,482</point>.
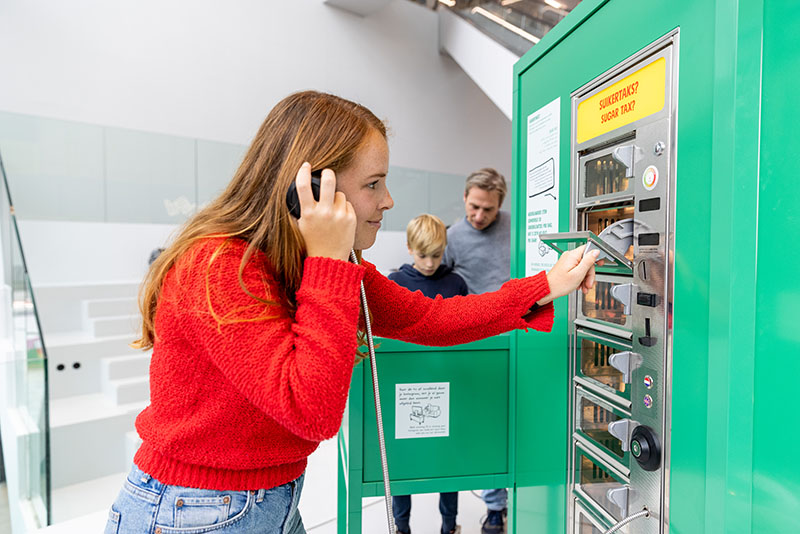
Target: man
<point>479,245</point>
<point>479,250</point>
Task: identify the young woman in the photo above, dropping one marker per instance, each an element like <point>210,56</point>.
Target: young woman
<point>253,317</point>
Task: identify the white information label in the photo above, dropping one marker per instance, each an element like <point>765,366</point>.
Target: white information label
<point>422,410</point>
<point>542,186</point>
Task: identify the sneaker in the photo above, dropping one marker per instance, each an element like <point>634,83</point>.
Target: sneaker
<point>456,530</point>
<point>493,523</point>
<point>402,532</point>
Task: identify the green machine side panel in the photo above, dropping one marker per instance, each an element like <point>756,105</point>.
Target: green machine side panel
<point>476,451</point>
<point>477,443</point>
<point>776,473</point>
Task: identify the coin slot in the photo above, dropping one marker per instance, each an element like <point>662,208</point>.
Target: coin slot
<point>650,204</point>
<point>649,239</point>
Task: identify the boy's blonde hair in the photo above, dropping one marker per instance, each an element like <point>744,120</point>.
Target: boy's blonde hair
<point>426,234</point>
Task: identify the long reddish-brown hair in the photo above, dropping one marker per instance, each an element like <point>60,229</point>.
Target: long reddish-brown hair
<point>323,129</point>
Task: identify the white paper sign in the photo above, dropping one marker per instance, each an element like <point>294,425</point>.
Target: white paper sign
<point>422,410</point>
<point>542,186</point>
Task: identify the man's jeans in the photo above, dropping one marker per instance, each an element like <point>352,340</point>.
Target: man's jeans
<point>448,507</point>
<point>496,500</point>
<point>146,506</point>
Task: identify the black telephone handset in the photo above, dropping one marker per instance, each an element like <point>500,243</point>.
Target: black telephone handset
<point>293,201</point>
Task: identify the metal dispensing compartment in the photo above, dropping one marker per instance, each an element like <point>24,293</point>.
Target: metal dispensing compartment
<point>619,330</point>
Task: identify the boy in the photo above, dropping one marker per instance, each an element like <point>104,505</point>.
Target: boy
<point>426,238</point>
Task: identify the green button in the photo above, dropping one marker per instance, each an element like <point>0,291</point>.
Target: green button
<point>636,448</point>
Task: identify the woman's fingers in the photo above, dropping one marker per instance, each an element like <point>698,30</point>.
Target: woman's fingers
<point>327,188</point>
<point>303,183</point>
<point>328,225</point>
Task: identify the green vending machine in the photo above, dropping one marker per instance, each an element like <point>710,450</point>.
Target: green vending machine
<point>660,133</point>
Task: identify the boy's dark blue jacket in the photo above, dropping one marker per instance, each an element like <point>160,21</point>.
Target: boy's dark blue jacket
<point>443,282</point>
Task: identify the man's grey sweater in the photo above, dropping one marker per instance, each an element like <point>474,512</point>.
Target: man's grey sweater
<point>481,257</point>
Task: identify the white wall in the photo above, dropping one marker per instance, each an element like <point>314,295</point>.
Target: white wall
<point>212,70</point>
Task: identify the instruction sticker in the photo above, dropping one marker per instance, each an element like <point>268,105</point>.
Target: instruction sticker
<point>422,410</point>
<point>634,97</point>
<point>542,186</point>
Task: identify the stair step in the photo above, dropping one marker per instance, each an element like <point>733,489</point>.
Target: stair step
<point>114,325</point>
<point>96,308</point>
<point>127,366</point>
<point>74,361</point>
<point>88,438</point>
<point>127,390</point>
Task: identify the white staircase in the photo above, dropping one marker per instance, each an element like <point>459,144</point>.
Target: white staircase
<point>98,385</point>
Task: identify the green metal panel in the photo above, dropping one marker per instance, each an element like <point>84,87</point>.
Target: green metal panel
<point>477,444</point>
<point>475,454</point>
<point>776,474</point>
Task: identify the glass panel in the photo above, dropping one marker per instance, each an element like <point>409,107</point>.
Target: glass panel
<point>150,178</point>
<point>594,365</point>
<point>599,305</point>
<point>24,375</point>
<point>595,480</point>
<point>561,242</point>
<point>586,527</point>
<point>593,420</point>
<point>216,164</point>
<point>55,167</point>
<point>409,198</point>
<point>605,175</point>
<point>585,524</point>
<point>62,170</point>
<point>598,220</point>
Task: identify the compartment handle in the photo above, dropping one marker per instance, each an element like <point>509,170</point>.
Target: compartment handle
<point>626,362</point>
<point>622,431</point>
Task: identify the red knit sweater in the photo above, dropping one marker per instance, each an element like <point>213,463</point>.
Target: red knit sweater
<point>241,393</point>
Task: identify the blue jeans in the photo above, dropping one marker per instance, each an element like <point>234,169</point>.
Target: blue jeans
<point>496,499</point>
<point>448,507</point>
<point>146,506</point>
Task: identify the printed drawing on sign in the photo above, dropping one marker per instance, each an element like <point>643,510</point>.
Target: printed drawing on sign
<point>542,179</point>
<point>418,413</point>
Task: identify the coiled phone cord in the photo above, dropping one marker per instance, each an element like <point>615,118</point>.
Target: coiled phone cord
<point>632,517</point>
<point>378,413</point>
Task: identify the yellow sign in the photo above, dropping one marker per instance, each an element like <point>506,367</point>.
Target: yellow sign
<point>630,99</point>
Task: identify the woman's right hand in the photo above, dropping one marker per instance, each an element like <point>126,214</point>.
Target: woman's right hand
<point>328,226</point>
<point>571,271</point>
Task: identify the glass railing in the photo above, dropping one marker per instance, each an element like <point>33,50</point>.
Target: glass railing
<point>516,24</point>
<point>71,171</point>
<point>23,391</point>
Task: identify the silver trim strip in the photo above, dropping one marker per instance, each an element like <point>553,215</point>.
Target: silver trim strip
<point>607,395</point>
<point>616,332</point>
<point>606,460</point>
